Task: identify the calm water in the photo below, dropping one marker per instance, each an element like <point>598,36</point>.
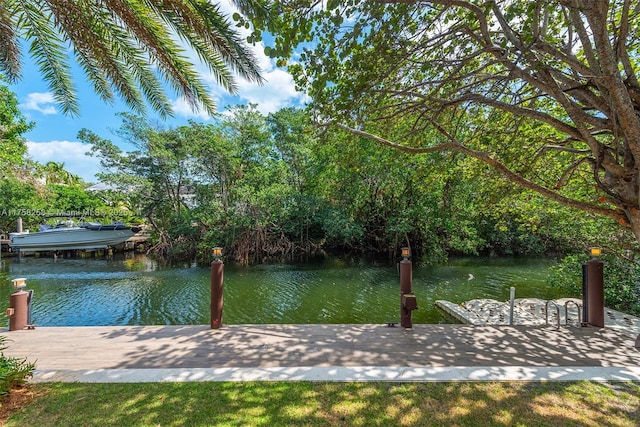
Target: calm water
<point>139,291</point>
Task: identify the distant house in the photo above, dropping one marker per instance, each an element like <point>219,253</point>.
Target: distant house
<point>100,187</point>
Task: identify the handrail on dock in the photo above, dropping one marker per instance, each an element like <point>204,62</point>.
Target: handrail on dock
<point>566,312</point>
<point>546,309</point>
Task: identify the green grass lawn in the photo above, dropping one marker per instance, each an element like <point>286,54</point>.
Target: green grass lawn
<point>333,404</point>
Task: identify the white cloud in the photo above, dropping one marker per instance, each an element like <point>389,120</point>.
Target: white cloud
<point>71,153</point>
<point>42,102</point>
<point>182,108</point>
<point>277,91</point>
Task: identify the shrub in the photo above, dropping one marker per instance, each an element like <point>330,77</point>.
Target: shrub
<point>621,280</point>
<point>13,371</point>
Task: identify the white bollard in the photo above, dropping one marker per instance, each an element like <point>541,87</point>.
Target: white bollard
<point>512,297</point>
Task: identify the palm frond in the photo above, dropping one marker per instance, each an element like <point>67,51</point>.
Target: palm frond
<point>9,42</point>
<point>146,28</point>
<point>214,38</point>
<point>49,52</point>
<point>126,47</point>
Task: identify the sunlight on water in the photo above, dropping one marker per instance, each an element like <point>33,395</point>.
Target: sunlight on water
<point>140,291</point>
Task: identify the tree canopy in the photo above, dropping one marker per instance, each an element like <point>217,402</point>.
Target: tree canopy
<point>546,92</point>
<point>125,47</point>
<point>12,127</point>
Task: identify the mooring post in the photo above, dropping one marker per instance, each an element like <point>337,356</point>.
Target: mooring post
<point>408,301</point>
<point>585,302</point>
<point>217,285</point>
<point>19,306</point>
<point>595,289</point>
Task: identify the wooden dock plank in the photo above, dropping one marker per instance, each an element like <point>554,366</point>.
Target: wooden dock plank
<point>198,346</point>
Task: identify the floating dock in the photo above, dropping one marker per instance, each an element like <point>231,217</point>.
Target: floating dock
<point>533,312</point>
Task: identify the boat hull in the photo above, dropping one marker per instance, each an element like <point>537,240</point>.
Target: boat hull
<point>72,238</point>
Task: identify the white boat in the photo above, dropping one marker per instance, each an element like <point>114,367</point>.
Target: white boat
<point>87,236</point>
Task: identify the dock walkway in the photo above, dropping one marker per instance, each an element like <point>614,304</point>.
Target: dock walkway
<point>326,353</point>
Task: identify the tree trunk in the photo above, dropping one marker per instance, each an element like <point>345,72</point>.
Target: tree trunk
<point>633,215</point>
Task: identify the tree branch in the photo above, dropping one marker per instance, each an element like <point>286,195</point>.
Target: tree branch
<point>455,145</point>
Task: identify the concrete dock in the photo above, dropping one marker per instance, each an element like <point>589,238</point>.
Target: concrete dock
<point>327,353</point>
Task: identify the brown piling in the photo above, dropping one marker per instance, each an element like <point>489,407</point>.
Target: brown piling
<point>217,287</point>
<point>18,310</point>
<point>407,298</point>
<point>595,293</point>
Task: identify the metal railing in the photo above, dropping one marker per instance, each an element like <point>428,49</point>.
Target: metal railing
<point>566,312</point>
<point>546,310</point>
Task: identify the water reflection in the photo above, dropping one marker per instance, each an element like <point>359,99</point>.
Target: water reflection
<point>140,291</point>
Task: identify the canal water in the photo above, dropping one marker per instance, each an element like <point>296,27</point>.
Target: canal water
<point>140,291</point>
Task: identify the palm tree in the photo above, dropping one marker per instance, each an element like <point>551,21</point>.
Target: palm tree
<point>55,173</point>
<point>125,46</point>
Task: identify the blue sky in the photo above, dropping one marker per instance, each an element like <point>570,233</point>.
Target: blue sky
<point>54,137</point>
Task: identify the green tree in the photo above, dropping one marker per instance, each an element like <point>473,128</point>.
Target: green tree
<point>55,173</point>
<point>71,199</point>
<point>155,179</point>
<point>13,125</point>
<point>127,47</point>
<point>19,199</point>
<point>262,193</point>
<point>378,198</point>
<point>17,191</point>
<point>294,140</point>
<point>250,174</point>
<point>295,144</point>
<point>544,92</point>
<point>216,164</point>
<point>272,187</point>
